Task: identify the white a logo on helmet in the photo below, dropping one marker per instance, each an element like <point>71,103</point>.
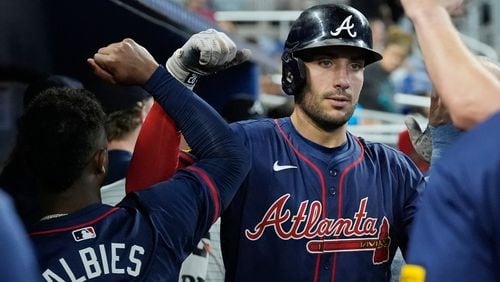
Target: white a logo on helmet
<point>346,25</point>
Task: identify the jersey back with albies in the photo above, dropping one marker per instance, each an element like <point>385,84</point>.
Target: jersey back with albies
<point>310,213</point>
<point>149,233</point>
<point>138,240</point>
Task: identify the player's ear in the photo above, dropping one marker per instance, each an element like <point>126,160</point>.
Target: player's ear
<point>101,161</point>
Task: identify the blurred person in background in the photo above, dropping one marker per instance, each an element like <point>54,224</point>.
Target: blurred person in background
<point>126,109</point>
<point>378,90</point>
<point>205,9</point>
<point>202,8</point>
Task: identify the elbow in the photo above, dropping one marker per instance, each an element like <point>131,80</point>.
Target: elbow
<point>465,112</point>
<point>463,121</point>
<point>469,115</point>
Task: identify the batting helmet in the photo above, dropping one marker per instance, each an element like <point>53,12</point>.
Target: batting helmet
<point>321,26</point>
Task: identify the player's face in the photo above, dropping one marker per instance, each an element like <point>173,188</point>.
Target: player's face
<point>335,78</point>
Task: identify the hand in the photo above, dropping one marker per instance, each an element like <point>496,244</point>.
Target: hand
<point>205,53</point>
<point>125,62</point>
<point>438,113</point>
<point>413,7</point>
<point>422,141</point>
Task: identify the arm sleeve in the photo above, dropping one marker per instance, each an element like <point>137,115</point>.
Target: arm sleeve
<point>222,159</point>
<point>153,161</point>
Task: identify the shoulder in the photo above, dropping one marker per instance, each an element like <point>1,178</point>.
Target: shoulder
<point>254,124</point>
<point>255,129</point>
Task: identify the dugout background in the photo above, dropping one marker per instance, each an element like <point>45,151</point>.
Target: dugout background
<point>57,36</point>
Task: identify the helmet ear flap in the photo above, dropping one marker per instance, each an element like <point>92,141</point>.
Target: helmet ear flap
<point>293,78</point>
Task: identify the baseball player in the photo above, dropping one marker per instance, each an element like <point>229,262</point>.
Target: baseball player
<point>147,236</point>
<point>319,203</point>
<point>455,235</point>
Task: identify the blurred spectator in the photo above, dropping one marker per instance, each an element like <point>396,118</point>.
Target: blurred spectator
<point>379,34</point>
<point>126,109</point>
<point>413,77</point>
<point>202,8</point>
<point>205,10</point>
<point>230,5</point>
<point>378,90</point>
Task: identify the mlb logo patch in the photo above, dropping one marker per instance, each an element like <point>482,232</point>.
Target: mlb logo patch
<point>84,234</point>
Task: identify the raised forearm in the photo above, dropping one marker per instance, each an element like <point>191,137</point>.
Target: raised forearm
<point>467,89</point>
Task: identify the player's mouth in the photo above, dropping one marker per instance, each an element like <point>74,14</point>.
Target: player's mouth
<point>338,101</point>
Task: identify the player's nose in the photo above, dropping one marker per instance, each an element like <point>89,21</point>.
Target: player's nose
<point>341,78</point>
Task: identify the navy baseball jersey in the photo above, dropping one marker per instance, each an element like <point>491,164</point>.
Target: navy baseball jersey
<point>148,235</point>
<point>455,235</point>
<point>310,213</point>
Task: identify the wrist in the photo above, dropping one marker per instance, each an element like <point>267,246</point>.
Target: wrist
<point>155,79</point>
<point>427,15</point>
<point>148,72</point>
<point>182,74</point>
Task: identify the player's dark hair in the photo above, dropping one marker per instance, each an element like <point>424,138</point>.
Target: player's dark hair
<point>59,133</point>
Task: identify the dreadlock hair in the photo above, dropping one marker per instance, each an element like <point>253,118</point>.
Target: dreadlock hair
<point>59,133</point>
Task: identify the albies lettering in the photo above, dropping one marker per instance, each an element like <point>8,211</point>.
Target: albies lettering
<point>115,258</point>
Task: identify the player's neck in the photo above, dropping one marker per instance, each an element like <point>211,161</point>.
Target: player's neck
<point>66,202</point>
<point>311,131</point>
<point>84,192</point>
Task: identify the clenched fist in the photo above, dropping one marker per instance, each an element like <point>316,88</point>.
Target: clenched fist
<point>125,62</point>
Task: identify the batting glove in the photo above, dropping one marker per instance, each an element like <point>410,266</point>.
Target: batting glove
<point>422,141</point>
<point>205,53</point>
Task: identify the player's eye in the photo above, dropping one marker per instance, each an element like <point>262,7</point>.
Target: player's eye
<point>356,66</point>
<point>325,63</point>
